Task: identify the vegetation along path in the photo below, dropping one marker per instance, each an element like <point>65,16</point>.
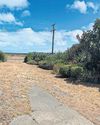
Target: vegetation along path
<point>18,79</point>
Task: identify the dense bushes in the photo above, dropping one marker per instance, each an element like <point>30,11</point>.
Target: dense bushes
<point>71,71</point>
<point>81,61</point>
<point>57,67</point>
<point>46,65</point>
<point>76,72</point>
<point>90,53</point>
<point>52,60</point>
<point>2,57</point>
<point>35,58</point>
<point>65,71</point>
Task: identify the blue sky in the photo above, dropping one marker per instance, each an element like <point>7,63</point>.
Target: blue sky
<point>25,25</point>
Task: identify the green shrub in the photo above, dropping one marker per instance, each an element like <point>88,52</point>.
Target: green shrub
<point>35,58</point>
<point>28,58</point>
<point>48,60</point>
<point>32,62</point>
<point>71,71</point>
<point>51,61</point>
<point>60,57</point>
<point>65,71</point>
<point>2,57</point>
<point>57,67</point>
<point>56,58</point>
<point>76,71</point>
<point>25,59</point>
<point>46,65</point>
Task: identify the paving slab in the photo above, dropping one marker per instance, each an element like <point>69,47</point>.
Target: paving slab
<point>46,110</point>
<point>23,120</point>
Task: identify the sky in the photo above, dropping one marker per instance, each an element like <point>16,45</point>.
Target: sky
<point>25,25</point>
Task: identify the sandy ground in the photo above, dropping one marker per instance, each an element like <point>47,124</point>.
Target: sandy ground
<point>16,79</point>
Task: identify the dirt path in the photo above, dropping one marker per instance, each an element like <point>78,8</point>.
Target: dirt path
<point>17,78</point>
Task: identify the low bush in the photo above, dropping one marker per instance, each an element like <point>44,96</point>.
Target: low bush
<point>28,58</point>
<point>57,67</point>
<point>65,71</point>
<point>35,57</point>
<point>92,77</point>
<point>2,57</point>
<point>76,72</point>
<point>71,71</point>
<point>32,62</point>
<point>45,60</point>
<point>51,60</point>
<point>25,59</point>
<point>57,57</point>
<point>46,65</point>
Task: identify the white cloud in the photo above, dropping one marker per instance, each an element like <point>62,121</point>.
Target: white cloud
<point>88,27</point>
<point>8,18</point>
<point>80,5</point>
<point>26,40</point>
<point>18,23</point>
<point>26,13</point>
<point>83,6</point>
<point>73,33</point>
<point>14,3</point>
<point>91,4</point>
<point>94,7</point>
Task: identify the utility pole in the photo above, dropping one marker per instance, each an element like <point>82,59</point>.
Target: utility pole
<point>53,37</point>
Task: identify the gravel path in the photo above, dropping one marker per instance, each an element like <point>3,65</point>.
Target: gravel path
<point>16,79</point>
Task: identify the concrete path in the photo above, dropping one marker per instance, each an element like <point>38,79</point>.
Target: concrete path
<point>46,110</point>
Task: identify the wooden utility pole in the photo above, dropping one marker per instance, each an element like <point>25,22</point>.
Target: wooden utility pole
<point>53,37</point>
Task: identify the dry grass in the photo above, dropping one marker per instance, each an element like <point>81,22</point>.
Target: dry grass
<point>17,78</point>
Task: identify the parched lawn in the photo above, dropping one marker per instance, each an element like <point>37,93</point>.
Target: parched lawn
<point>16,79</point>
